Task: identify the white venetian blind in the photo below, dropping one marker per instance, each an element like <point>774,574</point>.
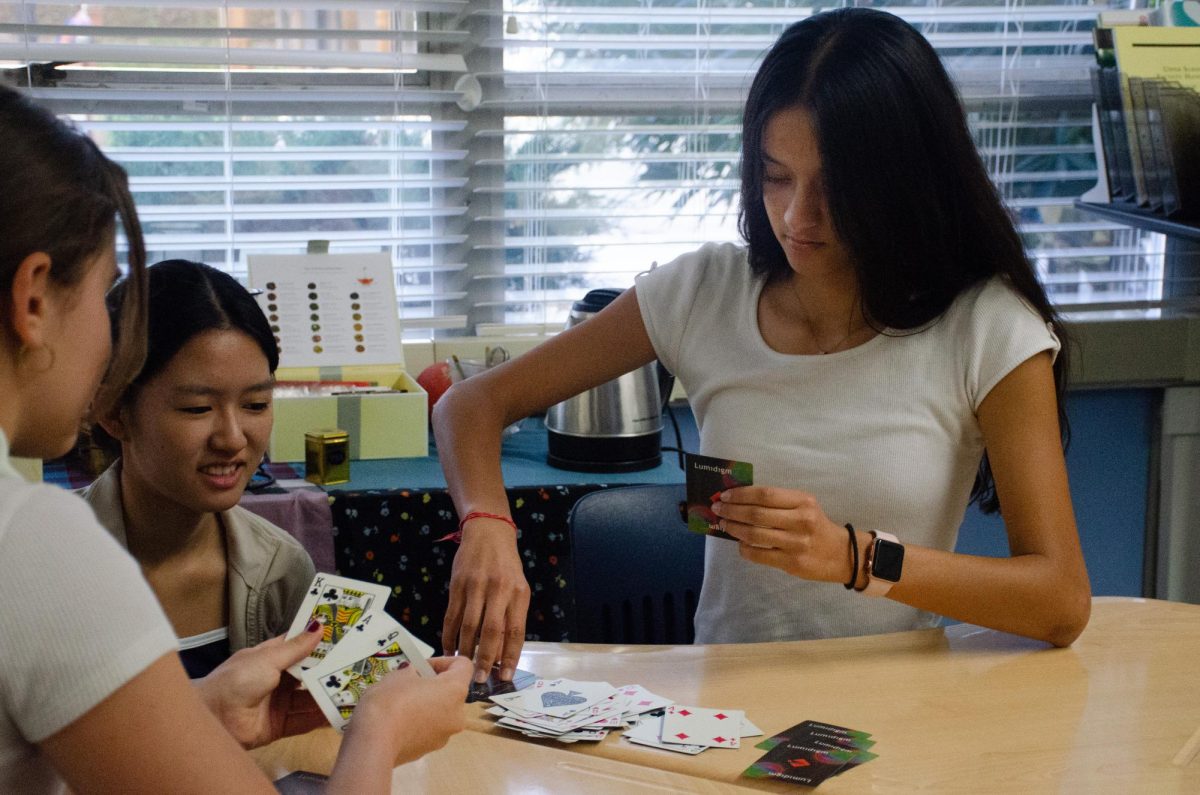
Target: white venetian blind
<point>609,139</point>
<point>511,154</point>
<point>254,126</point>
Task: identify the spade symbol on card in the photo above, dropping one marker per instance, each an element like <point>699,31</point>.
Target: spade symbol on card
<point>555,699</point>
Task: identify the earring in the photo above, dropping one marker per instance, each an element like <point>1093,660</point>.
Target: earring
<point>38,354</point>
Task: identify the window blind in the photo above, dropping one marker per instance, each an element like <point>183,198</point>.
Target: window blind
<point>256,126</point>
<point>619,130</point>
<point>511,154</point>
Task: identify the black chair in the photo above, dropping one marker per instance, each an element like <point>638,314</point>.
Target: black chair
<point>637,568</point>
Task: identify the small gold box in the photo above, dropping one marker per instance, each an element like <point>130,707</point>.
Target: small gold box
<point>327,457</point>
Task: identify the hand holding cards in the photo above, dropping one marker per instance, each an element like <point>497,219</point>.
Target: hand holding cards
<point>706,478</point>
<point>360,644</point>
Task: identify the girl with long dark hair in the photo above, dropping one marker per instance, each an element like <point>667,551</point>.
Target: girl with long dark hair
<point>879,349</point>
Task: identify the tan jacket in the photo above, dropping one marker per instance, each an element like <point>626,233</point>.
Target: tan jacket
<point>268,570</point>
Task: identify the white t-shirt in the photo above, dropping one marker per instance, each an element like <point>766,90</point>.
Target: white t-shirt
<point>884,435</point>
<point>78,622</point>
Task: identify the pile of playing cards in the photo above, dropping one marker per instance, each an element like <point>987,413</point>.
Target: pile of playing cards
<point>360,644</point>
<point>810,752</point>
<point>570,711</point>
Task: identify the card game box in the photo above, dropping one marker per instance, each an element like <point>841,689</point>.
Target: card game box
<point>335,319</point>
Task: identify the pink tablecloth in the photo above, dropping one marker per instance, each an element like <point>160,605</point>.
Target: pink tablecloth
<point>305,514</point>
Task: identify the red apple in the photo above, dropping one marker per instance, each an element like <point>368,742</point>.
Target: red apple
<point>435,379</point>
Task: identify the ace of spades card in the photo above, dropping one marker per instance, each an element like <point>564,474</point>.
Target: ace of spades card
<point>338,603</point>
<point>338,683</point>
<point>560,698</point>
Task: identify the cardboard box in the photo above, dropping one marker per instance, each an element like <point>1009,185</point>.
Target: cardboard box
<point>380,426</point>
<point>334,317</point>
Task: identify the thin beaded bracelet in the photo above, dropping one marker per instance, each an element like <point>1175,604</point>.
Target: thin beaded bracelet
<point>456,536</point>
<point>854,554</point>
<point>868,559</point>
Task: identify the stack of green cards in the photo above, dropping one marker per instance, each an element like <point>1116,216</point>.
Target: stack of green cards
<point>810,752</point>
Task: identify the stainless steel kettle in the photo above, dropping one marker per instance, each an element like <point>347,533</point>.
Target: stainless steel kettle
<point>615,427</point>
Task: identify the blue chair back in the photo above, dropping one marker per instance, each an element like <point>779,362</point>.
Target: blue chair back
<point>637,569</point>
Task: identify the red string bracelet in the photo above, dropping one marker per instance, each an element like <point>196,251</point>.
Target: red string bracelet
<point>456,536</point>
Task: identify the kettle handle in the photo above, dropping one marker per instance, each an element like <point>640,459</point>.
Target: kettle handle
<point>666,383</point>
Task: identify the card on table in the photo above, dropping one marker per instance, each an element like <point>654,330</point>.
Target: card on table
<point>810,752</point>
<point>639,700</point>
<point>559,698</point>
<point>801,731</point>
<point>648,732</point>
<point>338,603</point>
<point>713,728</point>
<point>494,686</point>
<point>706,478</point>
<point>339,682</point>
<point>797,763</point>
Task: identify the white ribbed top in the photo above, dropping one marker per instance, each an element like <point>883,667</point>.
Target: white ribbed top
<point>79,621</point>
<point>884,434</point>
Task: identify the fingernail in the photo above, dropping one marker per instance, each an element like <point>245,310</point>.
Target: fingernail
<point>724,496</point>
<point>480,676</point>
<point>506,674</point>
<point>313,625</point>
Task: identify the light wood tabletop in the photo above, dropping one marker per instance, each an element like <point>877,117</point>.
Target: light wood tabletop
<point>960,709</point>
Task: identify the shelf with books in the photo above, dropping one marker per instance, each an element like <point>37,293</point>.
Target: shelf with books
<point>1132,215</point>
<point>1147,122</point>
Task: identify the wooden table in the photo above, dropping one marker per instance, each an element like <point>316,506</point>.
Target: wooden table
<point>961,709</point>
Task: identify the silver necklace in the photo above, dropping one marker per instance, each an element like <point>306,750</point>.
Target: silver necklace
<point>849,326</point>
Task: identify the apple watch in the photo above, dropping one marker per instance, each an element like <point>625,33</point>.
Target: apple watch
<point>885,561</point>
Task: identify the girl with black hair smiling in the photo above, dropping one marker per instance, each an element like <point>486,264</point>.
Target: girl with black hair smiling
<point>92,695</point>
<point>192,427</point>
<point>880,350</point>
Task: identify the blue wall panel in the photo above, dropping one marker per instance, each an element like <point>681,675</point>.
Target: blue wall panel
<point>1108,464</point>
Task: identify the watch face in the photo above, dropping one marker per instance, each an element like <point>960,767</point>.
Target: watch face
<point>888,561</point>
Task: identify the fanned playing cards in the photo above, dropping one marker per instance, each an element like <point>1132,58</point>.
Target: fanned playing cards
<point>360,644</point>
<point>338,603</point>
